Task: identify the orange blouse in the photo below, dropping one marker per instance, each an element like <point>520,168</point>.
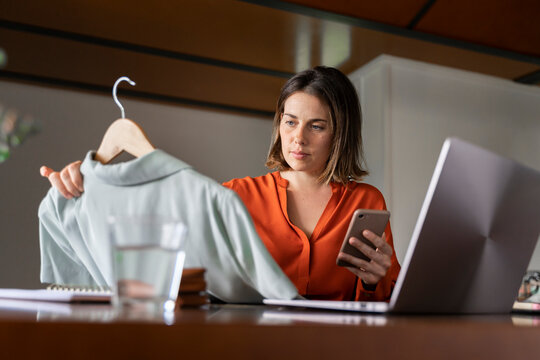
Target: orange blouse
<point>311,263</point>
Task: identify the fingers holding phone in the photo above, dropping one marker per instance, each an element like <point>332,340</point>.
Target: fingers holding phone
<point>365,251</point>
<point>376,263</point>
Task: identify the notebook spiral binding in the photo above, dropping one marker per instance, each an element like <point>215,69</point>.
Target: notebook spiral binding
<point>83,289</point>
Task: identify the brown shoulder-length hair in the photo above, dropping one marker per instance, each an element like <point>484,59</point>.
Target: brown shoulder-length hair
<point>332,87</point>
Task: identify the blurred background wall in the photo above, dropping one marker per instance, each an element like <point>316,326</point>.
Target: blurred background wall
<point>218,144</point>
<point>208,74</point>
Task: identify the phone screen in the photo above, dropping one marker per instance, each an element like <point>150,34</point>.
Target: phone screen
<point>363,219</point>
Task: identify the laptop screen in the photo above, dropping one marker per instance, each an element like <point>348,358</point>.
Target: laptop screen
<point>474,237</point>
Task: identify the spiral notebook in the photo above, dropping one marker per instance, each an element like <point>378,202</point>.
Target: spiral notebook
<point>56,293</point>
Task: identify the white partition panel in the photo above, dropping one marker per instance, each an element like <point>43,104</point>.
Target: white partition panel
<point>411,107</point>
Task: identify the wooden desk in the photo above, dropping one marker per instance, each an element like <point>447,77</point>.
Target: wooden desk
<point>259,332</point>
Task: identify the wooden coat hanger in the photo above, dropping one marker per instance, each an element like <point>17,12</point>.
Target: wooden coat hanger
<point>123,135</point>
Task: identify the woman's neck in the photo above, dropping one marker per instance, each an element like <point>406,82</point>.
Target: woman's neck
<point>306,200</point>
<point>302,180</point>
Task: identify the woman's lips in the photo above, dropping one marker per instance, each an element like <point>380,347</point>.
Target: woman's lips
<point>298,155</point>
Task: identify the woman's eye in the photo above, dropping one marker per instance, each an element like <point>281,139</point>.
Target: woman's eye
<point>317,127</point>
<point>289,122</point>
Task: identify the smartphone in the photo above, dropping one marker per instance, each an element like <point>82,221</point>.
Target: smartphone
<point>363,219</point>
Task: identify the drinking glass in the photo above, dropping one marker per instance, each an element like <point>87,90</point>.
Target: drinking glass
<point>148,255</point>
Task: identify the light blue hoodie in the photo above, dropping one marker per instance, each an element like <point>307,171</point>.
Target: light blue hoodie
<point>221,237</point>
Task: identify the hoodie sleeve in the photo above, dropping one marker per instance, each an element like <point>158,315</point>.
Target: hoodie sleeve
<point>258,266</point>
<point>59,262</point>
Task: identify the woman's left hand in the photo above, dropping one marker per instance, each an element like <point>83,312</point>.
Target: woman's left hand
<point>370,272</point>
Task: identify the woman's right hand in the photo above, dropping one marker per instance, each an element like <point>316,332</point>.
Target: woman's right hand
<point>68,182</point>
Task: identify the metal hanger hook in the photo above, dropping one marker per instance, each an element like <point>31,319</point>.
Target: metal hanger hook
<point>120,79</point>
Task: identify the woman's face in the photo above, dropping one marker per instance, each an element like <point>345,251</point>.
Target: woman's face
<point>305,133</point>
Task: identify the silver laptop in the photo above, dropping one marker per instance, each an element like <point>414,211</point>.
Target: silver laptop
<point>472,242</point>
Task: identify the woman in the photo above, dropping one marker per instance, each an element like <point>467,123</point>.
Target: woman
<point>302,210</point>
